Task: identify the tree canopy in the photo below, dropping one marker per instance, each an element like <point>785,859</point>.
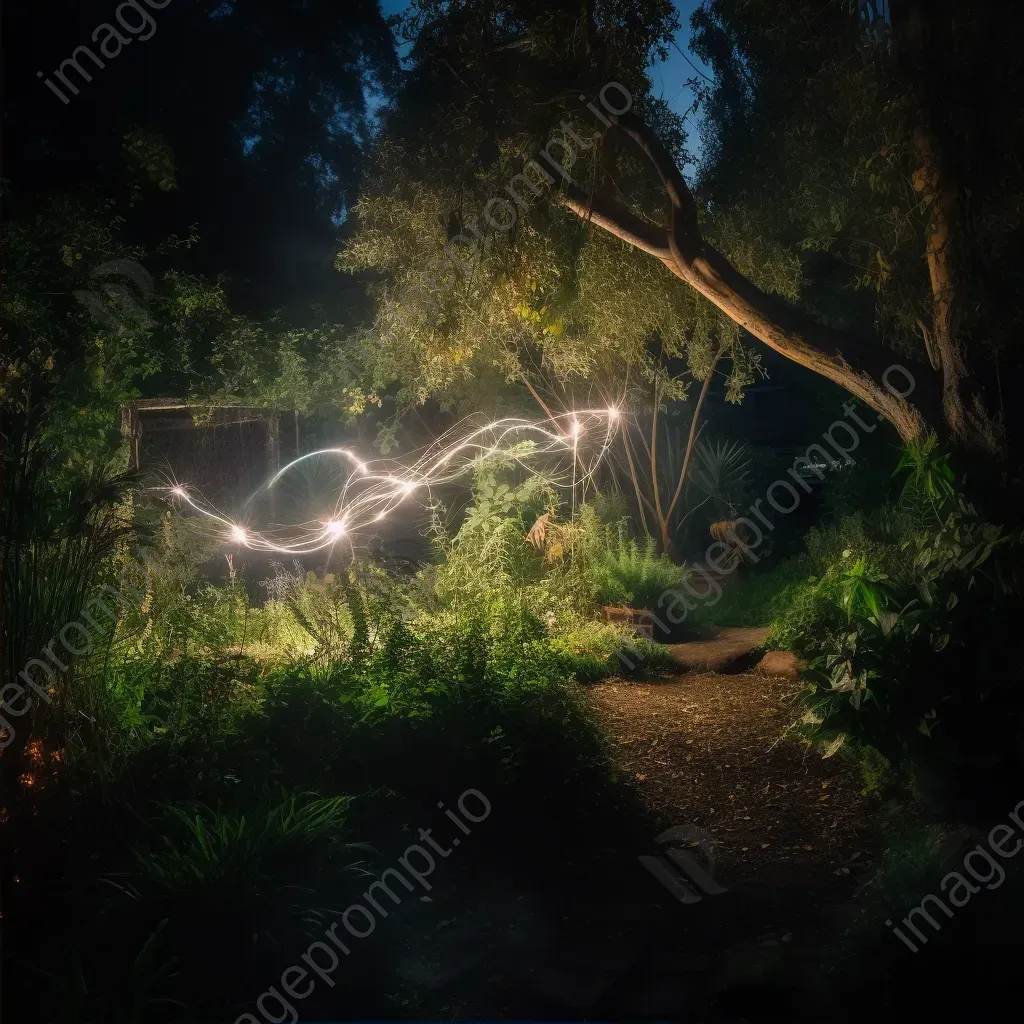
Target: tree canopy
<point>835,216</point>
<point>479,273</point>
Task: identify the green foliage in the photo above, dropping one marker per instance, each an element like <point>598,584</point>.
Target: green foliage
<point>911,863</point>
<point>408,670</point>
<point>875,771</point>
<point>208,879</point>
<point>906,636</point>
<point>929,473</point>
<point>622,570</point>
<point>453,315</point>
<point>204,846</point>
<point>56,556</point>
<point>323,610</point>
<point>719,472</point>
<point>489,558</point>
<point>878,535</point>
<point>815,155</point>
<point>148,153</point>
<point>193,698</point>
<point>491,567</point>
<point>812,603</point>
<point>760,597</point>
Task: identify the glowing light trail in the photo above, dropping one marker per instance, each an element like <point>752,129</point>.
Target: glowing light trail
<point>372,490</point>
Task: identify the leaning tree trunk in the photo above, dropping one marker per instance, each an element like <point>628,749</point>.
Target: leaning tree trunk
<point>841,357</point>
<point>921,67</point>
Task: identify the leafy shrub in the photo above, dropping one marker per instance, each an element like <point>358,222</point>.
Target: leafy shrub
<point>914,655</point>
<point>200,698</point>
<point>489,558</point>
<point>321,609</point>
<point>511,566</point>
<point>411,668</point>
<point>622,570</point>
<point>875,771</point>
<point>226,887</point>
<point>595,647</point>
<point>912,860</point>
<point>880,537</point>
<point>720,472</point>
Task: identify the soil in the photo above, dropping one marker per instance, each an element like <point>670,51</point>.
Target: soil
<point>723,650</point>
<point>709,749</point>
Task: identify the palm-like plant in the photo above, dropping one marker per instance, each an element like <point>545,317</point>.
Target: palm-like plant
<point>719,472</point>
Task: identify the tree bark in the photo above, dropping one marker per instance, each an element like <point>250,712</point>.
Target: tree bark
<point>652,453</point>
<point>914,406</point>
<point>963,399</point>
<point>692,438</point>
<point>641,499</point>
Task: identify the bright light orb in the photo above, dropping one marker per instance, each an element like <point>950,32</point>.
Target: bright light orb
<point>335,528</point>
<point>409,488</point>
<point>178,492</point>
<point>239,535</point>
<point>613,413</point>
<point>576,428</point>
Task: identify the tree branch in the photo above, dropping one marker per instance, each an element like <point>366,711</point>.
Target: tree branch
<point>618,221</point>
<point>840,357</point>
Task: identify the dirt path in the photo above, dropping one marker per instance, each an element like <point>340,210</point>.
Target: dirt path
<point>728,647</point>
<point>581,930</point>
<point>707,749</point>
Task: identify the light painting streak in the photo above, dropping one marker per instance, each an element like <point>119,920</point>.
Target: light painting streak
<point>373,490</point>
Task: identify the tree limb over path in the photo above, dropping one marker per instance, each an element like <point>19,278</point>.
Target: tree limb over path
<point>841,357</point>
